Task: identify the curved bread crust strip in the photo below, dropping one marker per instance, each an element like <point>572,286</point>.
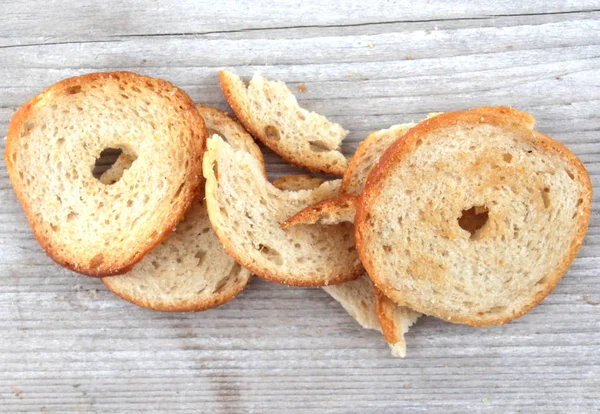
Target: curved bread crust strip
<point>523,201</point>
<point>334,211</point>
<point>271,113</point>
<point>190,270</point>
<point>394,320</point>
<point>84,225</point>
<point>246,212</point>
<point>363,301</point>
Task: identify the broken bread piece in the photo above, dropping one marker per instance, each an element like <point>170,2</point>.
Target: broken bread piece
<point>298,182</point>
<point>190,270</point>
<point>246,212</point>
<point>495,218</point>
<point>363,301</point>
<point>91,227</point>
<point>270,112</point>
<point>394,320</point>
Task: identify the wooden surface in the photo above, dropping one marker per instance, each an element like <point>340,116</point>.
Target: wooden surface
<point>68,345</point>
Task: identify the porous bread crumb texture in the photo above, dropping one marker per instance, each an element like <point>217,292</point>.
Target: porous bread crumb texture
<point>190,270</point>
<point>83,224</point>
<point>367,154</point>
<point>246,212</point>
<point>271,113</point>
<point>297,182</point>
<point>529,200</point>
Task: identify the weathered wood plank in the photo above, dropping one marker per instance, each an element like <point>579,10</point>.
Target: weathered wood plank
<point>60,21</point>
<point>68,345</point>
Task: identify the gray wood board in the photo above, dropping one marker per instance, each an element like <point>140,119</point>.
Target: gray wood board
<point>68,345</point>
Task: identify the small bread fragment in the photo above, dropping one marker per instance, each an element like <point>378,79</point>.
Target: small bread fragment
<point>298,182</point>
<point>395,321</point>
<point>190,270</point>
<point>363,301</point>
<point>271,113</point>
<point>356,297</point>
<point>333,211</point>
<point>495,218</point>
<point>246,212</point>
<point>90,227</point>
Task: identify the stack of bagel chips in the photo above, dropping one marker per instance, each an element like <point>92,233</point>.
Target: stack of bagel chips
<point>469,216</point>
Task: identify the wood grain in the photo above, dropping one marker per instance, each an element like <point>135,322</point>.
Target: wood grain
<point>68,345</point>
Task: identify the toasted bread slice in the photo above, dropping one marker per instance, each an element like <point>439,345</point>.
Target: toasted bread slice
<point>495,218</point>
<point>246,212</point>
<point>190,270</point>
<point>271,113</point>
<point>83,224</point>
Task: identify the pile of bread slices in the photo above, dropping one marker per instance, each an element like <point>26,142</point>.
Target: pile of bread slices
<point>470,216</point>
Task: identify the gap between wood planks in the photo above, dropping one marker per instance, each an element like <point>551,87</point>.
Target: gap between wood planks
<point>278,28</point>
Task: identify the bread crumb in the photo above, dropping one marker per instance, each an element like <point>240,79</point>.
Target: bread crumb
<point>17,391</point>
<point>485,400</point>
<point>319,331</point>
<point>408,57</point>
<point>302,88</point>
<point>349,76</point>
<point>371,44</point>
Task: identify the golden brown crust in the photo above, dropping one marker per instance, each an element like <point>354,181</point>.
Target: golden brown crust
<point>282,278</point>
<point>344,205</point>
<point>384,307</point>
<point>195,123</point>
<point>185,306</point>
<point>498,116</point>
<point>241,114</point>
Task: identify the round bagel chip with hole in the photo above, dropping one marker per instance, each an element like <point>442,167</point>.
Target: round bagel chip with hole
<point>473,216</point>
<point>190,270</point>
<point>83,224</point>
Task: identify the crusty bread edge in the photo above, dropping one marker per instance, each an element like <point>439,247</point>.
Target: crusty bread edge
<point>196,123</point>
<point>217,113</point>
<point>187,306</point>
<point>499,116</point>
<point>311,214</point>
<point>242,116</point>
